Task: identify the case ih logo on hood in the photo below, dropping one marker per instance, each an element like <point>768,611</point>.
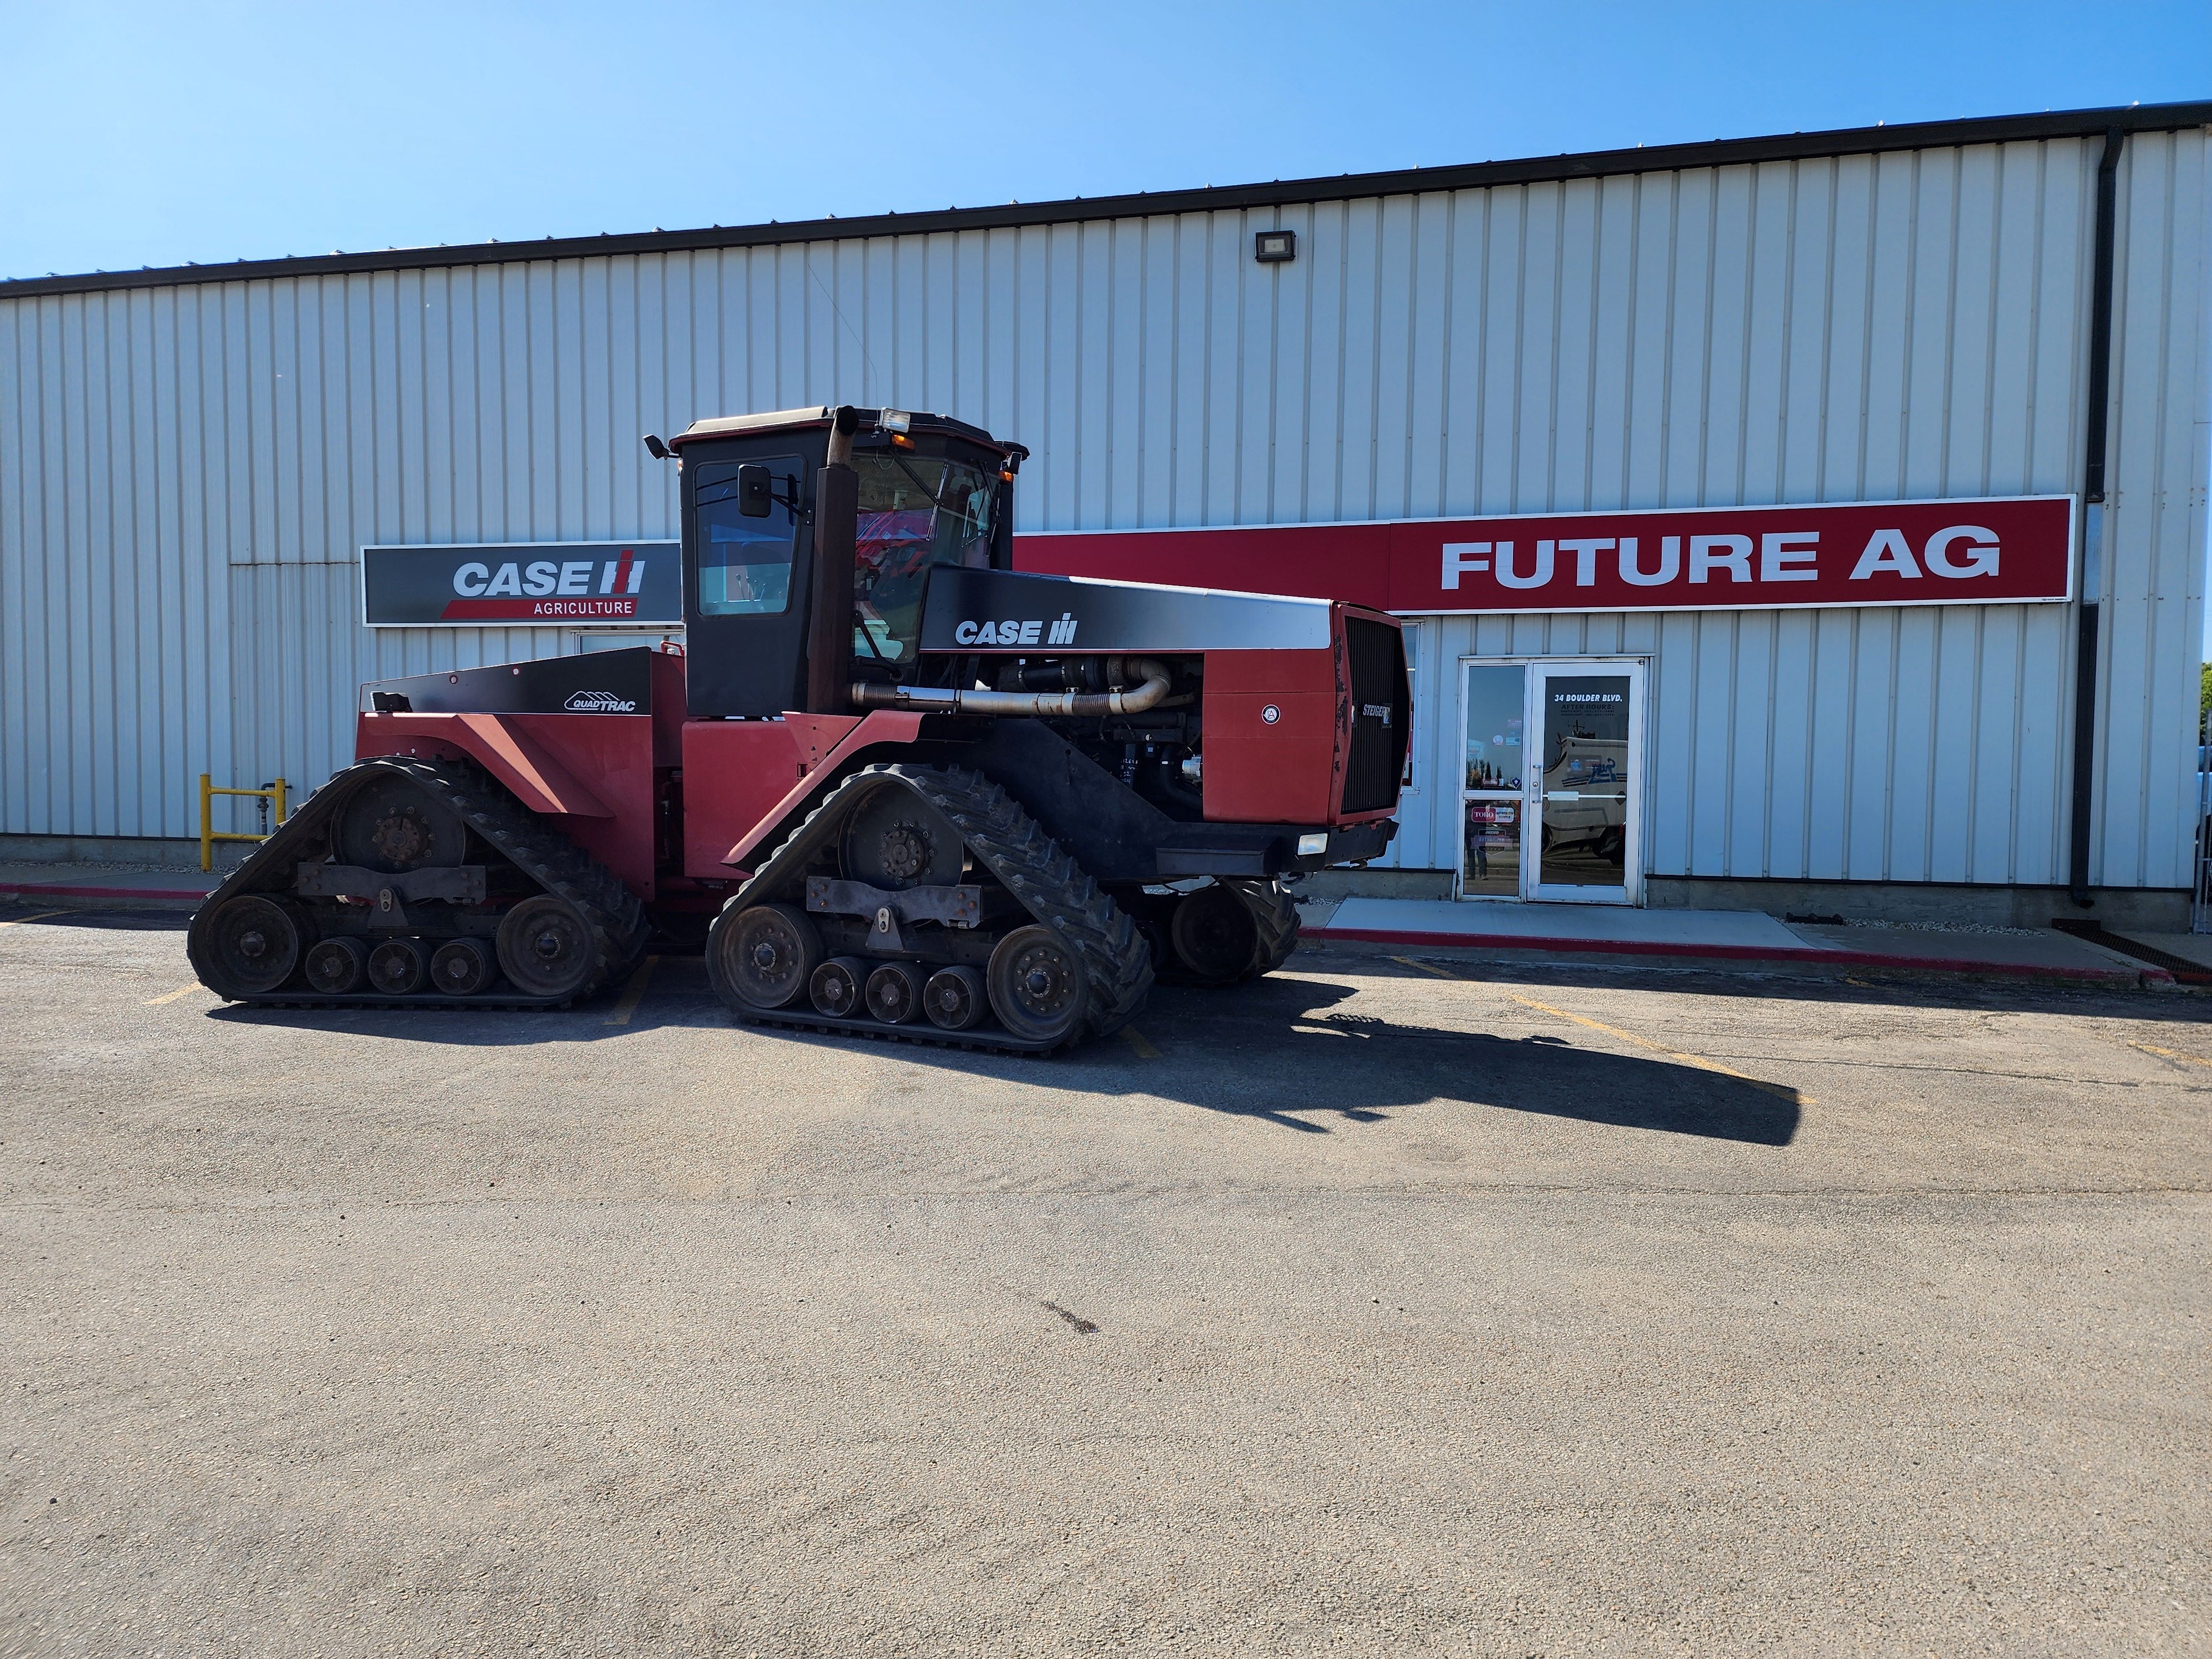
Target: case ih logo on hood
<point>1031,630</point>
<point>598,703</point>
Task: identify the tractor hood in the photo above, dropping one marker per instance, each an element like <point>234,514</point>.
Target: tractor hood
<point>972,609</point>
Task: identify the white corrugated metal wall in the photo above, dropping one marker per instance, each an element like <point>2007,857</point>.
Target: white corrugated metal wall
<point>187,474</point>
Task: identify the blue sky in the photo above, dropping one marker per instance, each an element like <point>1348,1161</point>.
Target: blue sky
<point>137,134</point>
<point>134,134</point>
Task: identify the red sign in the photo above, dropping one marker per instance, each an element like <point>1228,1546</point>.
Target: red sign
<point>1999,550</point>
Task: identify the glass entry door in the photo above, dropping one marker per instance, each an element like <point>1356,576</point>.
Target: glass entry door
<point>1494,704</point>
<point>1585,817</point>
<point>1552,794</point>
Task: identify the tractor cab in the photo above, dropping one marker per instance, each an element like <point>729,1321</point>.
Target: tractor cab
<point>771,623</point>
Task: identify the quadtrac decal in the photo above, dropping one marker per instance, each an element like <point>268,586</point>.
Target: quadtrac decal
<point>1009,611</point>
<point>545,585</point>
<point>595,683</point>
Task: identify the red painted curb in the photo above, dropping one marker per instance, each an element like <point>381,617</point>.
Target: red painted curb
<point>1741,953</point>
<point>31,890</point>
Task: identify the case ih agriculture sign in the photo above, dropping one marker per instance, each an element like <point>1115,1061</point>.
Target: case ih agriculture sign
<point>543,584</point>
<point>2010,550</point>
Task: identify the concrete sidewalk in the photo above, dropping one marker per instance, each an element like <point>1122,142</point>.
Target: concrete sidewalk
<point>1604,930</point>
<point>105,886</point>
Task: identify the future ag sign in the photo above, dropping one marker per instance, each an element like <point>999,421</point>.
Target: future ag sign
<point>535,585</point>
<point>2010,549</point>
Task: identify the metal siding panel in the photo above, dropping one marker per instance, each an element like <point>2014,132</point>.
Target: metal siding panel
<point>1358,351</point>
<point>1791,759</point>
<point>1764,385</point>
<point>1092,302</point>
<point>1973,280</point>
<point>1396,272</point>
<point>1671,722</point>
<point>1576,332</point>
<point>1750,725</point>
<point>1913,756</point>
<point>1154,391</point>
<point>1536,331</point>
<point>1309,492</point>
<point>1995,757</point>
<point>1831,746</point>
<point>1724,411</point>
<point>1032,378</point>
<point>1123,368</point>
<point>1955,719</point>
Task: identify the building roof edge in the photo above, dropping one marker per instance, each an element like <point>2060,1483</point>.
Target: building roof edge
<point>1596,164</point>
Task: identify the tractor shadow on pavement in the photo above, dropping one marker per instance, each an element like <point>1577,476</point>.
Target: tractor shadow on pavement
<point>1287,1051</point>
<point>1283,1050</point>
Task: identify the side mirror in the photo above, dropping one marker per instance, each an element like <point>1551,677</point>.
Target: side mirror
<point>755,490</point>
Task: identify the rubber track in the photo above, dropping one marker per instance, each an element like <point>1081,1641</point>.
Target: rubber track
<point>548,858</point>
<point>1275,913</point>
<point>1014,847</point>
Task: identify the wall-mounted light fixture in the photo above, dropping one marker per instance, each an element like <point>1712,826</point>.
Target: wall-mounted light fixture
<point>1274,247</point>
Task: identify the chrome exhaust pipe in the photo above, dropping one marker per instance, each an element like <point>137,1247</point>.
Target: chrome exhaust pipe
<point>1026,704</point>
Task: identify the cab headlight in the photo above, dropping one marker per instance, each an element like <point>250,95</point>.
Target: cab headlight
<point>1313,845</point>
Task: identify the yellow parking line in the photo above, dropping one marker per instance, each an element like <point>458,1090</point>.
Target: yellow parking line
<point>10,921</point>
<point>171,996</point>
<point>634,993</point>
<point>2171,1054</point>
<point>1136,1040</point>
<point>1698,1060</point>
<point>1426,968</point>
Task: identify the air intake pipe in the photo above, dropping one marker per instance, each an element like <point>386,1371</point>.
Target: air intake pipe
<point>1027,704</point>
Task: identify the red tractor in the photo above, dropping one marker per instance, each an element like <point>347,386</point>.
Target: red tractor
<point>897,786</point>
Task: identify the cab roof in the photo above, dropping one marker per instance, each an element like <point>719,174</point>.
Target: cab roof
<point>802,420</point>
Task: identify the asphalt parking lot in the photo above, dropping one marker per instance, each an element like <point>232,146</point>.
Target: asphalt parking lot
<point>1385,1307</point>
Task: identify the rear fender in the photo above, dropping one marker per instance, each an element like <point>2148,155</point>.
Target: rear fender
<point>543,760</point>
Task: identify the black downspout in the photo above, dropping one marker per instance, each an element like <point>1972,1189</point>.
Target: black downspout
<point>2093,496</point>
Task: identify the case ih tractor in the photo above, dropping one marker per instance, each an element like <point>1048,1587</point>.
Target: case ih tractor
<point>898,786</point>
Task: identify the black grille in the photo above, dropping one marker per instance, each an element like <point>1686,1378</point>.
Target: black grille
<point>1380,713</point>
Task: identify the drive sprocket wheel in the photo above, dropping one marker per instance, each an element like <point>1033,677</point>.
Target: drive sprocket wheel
<point>393,825</point>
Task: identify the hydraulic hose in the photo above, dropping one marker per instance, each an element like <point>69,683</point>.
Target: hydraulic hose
<point>944,700</point>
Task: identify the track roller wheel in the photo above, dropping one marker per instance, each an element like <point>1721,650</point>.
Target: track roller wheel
<point>763,957</point>
<point>460,968</point>
<point>336,966</point>
<point>546,948</point>
<point>835,986</point>
<point>256,943</point>
<point>1214,936</point>
<point>955,998</point>
<point>895,993</point>
<point>395,967</point>
<point>1037,986</point>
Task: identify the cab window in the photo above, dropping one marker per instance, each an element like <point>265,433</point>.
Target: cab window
<point>744,564</point>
